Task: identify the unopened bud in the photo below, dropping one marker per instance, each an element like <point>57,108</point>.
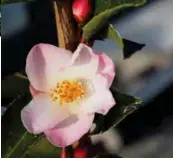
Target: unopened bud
<point>81,10</point>
<point>80,153</point>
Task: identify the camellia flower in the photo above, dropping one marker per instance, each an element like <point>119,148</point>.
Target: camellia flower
<point>68,89</point>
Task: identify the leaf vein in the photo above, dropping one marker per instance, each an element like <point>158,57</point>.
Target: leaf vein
<point>13,149</point>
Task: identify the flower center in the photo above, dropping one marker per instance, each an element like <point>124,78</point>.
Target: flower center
<point>67,91</point>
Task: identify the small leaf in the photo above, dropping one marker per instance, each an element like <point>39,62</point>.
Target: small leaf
<point>125,105</point>
<point>14,1</point>
<point>16,141</point>
<point>130,48</point>
<point>109,32</point>
<point>101,19</point>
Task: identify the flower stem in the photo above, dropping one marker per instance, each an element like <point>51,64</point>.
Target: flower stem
<point>67,30</point>
<point>60,38</point>
<point>63,153</point>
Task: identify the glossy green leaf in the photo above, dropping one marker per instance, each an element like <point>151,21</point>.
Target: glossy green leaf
<point>102,5</point>
<point>12,86</point>
<point>16,141</point>
<point>14,1</point>
<point>43,149</point>
<point>125,105</point>
<point>102,15</point>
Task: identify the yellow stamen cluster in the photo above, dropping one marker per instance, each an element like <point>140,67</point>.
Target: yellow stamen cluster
<point>67,91</point>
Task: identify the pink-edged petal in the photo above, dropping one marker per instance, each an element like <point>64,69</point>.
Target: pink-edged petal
<point>105,104</point>
<point>106,68</point>
<point>99,82</point>
<point>43,63</point>
<point>42,114</point>
<point>65,136</point>
<point>84,65</point>
<point>33,91</point>
<point>82,55</point>
<point>84,62</point>
<point>99,102</point>
<point>106,107</point>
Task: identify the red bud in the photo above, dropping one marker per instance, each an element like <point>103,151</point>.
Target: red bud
<point>80,153</point>
<point>81,10</point>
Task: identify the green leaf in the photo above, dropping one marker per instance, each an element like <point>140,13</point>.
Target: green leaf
<point>42,149</point>
<point>109,32</point>
<point>13,85</point>
<point>16,141</point>
<point>102,14</point>
<point>125,105</point>
<point>14,1</point>
<point>102,5</point>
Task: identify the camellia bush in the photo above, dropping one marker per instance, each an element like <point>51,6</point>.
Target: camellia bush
<point>65,89</point>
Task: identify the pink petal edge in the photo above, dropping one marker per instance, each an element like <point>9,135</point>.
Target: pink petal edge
<point>43,63</point>
<point>106,68</point>
<point>84,64</point>
<point>82,55</point>
<point>42,114</point>
<point>100,102</point>
<point>65,136</point>
<point>33,91</point>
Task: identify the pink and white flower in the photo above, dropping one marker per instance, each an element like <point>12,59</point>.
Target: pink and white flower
<point>68,89</point>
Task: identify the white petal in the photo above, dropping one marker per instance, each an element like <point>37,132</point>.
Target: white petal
<point>42,114</point>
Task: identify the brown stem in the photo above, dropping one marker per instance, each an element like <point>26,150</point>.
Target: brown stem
<point>68,32</point>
